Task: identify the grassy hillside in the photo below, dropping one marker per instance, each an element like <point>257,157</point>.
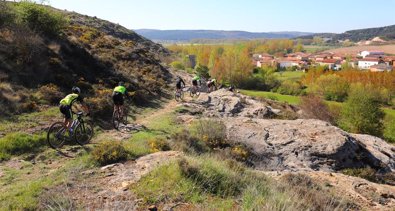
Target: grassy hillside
<point>44,52</point>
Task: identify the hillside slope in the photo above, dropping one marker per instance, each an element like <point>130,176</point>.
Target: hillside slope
<point>88,52</point>
<point>386,33</point>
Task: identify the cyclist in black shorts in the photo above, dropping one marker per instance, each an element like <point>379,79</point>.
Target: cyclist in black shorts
<point>118,97</point>
<point>179,84</point>
<point>66,103</point>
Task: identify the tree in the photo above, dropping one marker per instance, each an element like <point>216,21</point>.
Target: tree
<point>331,87</point>
<point>318,40</point>
<point>361,113</point>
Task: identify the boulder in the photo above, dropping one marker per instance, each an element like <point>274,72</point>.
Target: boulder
<point>308,145</point>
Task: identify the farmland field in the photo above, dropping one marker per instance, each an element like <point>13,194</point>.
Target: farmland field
<point>317,48</point>
<point>289,75</point>
<point>388,49</point>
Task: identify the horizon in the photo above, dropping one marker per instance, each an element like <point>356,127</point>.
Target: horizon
<point>251,16</point>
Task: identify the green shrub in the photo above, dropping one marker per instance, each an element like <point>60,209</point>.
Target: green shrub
<point>289,87</point>
<point>177,65</point>
<point>211,132</point>
<point>19,143</point>
<point>40,18</point>
<point>330,87</point>
<point>184,141</point>
<point>366,173</point>
<point>212,177</point>
<point>6,14</point>
<point>100,103</point>
<point>362,113</point>
<point>240,152</point>
<point>159,144</point>
<point>49,93</point>
<point>108,152</point>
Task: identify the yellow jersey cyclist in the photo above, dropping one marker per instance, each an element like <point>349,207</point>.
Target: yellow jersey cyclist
<point>66,103</point>
<point>196,81</point>
<point>118,97</point>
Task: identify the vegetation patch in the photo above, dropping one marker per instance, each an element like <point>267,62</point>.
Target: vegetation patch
<point>294,100</point>
<point>372,175</point>
<point>24,190</point>
<point>205,180</point>
<point>159,144</point>
<point>20,143</point>
<point>108,152</point>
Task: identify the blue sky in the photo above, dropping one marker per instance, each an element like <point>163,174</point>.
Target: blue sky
<point>248,15</point>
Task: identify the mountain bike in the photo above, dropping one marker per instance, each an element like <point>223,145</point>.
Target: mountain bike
<point>117,118</point>
<point>179,95</point>
<point>211,88</point>
<point>194,91</point>
<point>82,132</point>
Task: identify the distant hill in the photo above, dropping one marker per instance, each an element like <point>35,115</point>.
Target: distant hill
<point>189,35</point>
<point>386,33</point>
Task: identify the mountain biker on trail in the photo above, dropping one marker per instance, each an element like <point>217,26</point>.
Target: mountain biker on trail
<point>179,84</point>
<point>212,83</point>
<point>118,95</point>
<point>66,103</point>
<point>196,81</point>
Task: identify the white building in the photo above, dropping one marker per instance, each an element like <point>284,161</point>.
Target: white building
<point>365,54</point>
<point>367,63</point>
<point>287,63</point>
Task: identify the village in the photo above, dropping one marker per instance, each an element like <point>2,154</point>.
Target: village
<point>375,61</point>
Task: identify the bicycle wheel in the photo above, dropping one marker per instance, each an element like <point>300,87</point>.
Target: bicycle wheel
<point>83,133</point>
<point>177,96</point>
<point>55,135</point>
<point>197,92</point>
<point>192,92</point>
<point>125,115</point>
<point>115,120</point>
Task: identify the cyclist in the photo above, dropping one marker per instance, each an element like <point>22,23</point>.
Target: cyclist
<point>196,81</point>
<point>212,83</point>
<point>179,84</point>
<point>118,97</point>
<point>67,102</point>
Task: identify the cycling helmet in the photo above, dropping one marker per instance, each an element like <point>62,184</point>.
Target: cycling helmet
<point>76,90</point>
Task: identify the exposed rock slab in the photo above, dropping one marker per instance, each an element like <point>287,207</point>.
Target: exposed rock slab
<point>308,145</point>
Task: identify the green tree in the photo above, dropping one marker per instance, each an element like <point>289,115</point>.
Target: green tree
<point>362,113</point>
<point>318,40</point>
<point>40,18</point>
<point>331,87</point>
<point>299,46</point>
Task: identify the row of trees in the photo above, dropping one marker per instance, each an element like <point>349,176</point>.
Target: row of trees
<point>233,63</point>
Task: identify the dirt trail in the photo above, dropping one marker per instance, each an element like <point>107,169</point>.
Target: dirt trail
<point>166,108</point>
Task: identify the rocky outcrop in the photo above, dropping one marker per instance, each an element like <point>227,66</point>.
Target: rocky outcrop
<point>296,145</point>
<point>223,103</point>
